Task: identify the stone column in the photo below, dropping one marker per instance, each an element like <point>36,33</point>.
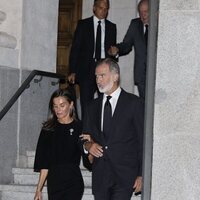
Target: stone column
<point>176,141</point>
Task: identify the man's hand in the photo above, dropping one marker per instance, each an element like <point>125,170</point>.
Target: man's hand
<point>138,184</point>
<point>113,51</point>
<point>71,78</point>
<point>94,149</point>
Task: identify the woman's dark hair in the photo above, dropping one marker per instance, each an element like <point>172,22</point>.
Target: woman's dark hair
<point>69,95</point>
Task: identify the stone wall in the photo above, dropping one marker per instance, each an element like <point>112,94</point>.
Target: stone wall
<point>28,41</point>
<point>39,35</point>
<point>28,34</point>
<point>20,127</point>
<point>176,146</point>
<point>9,81</point>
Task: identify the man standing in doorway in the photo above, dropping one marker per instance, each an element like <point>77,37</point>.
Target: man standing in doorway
<point>92,39</point>
<point>136,36</point>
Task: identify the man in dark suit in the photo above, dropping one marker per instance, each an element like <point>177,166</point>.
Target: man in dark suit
<point>136,36</point>
<point>83,57</point>
<point>116,146</point>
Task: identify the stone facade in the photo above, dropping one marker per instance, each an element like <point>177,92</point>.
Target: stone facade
<point>28,41</point>
<point>28,32</point>
<point>176,141</point>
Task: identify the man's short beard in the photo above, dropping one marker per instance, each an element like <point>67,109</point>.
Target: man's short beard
<point>107,88</point>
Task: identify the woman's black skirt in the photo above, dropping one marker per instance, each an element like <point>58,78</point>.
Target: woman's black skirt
<point>65,182</point>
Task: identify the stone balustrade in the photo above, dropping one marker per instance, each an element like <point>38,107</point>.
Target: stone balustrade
<point>2,16</point>
<point>6,40</point>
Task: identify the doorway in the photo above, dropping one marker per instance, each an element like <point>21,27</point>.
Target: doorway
<point>70,11</point>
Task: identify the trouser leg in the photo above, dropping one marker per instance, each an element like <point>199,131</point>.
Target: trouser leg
<point>87,90</point>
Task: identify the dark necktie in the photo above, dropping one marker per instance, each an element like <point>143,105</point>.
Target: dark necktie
<point>107,116</point>
<point>146,34</point>
<point>98,42</point>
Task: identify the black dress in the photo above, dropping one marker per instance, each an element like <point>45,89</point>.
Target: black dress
<point>59,151</point>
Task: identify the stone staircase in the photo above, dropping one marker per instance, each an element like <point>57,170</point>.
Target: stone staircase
<point>25,180</point>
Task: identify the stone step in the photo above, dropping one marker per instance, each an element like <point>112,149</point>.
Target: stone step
<point>26,176</point>
<point>24,192</point>
<point>31,157</point>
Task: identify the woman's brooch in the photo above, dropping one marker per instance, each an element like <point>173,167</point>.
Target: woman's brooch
<point>71,130</point>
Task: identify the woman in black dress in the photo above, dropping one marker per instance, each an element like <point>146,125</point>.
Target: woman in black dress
<point>58,151</point>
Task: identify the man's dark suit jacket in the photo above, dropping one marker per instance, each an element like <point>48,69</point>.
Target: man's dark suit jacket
<point>82,51</point>
<point>123,148</point>
<point>135,38</point>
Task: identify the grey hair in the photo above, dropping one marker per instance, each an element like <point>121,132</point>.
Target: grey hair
<point>113,66</point>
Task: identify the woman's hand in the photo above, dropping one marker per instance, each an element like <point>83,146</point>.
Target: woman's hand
<point>86,137</point>
<point>41,181</point>
<point>38,195</point>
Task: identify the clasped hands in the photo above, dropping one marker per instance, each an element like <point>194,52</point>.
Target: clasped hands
<point>94,149</point>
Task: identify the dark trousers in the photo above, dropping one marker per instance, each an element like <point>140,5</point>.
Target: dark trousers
<point>115,193</point>
<point>88,87</point>
<point>87,90</point>
<point>112,190</point>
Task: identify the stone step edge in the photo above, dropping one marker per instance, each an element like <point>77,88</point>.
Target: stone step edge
<point>30,153</point>
<point>29,171</point>
<point>31,188</point>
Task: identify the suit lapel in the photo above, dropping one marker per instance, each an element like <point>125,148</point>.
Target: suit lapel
<point>141,29</point>
<point>107,34</point>
<point>99,112</point>
<point>91,32</point>
<point>116,117</point>
<point>118,109</point>
<point>106,31</point>
<point>119,106</point>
